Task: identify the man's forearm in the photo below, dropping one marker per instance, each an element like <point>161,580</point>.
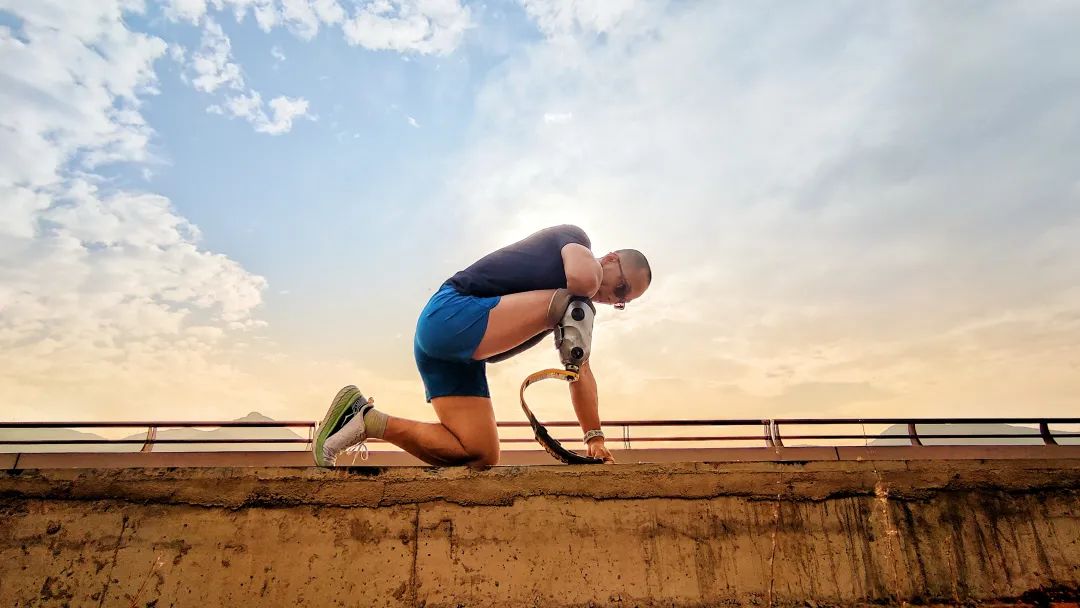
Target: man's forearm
<point>583,395</point>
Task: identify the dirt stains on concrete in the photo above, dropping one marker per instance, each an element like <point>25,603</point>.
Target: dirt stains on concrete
<point>179,547</point>
<point>688,535</point>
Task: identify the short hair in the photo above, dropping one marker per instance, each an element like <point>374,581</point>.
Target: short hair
<point>636,259</point>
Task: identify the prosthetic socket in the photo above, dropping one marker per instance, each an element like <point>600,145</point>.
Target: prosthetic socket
<point>572,316</point>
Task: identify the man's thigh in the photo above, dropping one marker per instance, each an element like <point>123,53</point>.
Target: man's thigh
<point>472,421</point>
<point>516,318</point>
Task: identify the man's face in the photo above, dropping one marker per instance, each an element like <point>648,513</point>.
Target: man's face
<point>622,283</point>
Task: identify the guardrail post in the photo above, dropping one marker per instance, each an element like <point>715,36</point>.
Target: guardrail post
<point>151,434</point>
<point>1047,437</point>
<point>626,436</point>
<point>767,424</point>
<point>777,441</point>
<point>913,434</point>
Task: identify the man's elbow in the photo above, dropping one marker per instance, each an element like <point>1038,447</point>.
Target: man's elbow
<point>585,286</point>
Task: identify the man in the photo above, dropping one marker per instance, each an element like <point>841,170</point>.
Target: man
<point>504,303</point>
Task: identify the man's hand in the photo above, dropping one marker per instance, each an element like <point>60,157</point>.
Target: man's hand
<point>598,450</point>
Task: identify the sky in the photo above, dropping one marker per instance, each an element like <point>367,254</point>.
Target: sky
<point>212,207</point>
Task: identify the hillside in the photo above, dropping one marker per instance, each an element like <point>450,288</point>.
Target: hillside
<point>962,429</point>
<point>173,433</point>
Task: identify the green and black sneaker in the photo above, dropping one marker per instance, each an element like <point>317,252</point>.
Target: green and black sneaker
<point>346,410</point>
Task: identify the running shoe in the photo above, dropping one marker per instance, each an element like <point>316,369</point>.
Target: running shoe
<point>342,427</point>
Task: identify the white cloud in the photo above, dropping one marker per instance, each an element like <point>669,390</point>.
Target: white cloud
<point>22,207</point>
<point>286,109</point>
<point>185,10</point>
<point>283,110</point>
<point>556,118</point>
<point>94,112</point>
<point>422,26</point>
<point>818,190</point>
<point>212,64</point>
<point>100,288</point>
<point>303,17</point>
<point>267,13</point>
<point>213,68</point>
<point>560,18</point>
<point>412,122</point>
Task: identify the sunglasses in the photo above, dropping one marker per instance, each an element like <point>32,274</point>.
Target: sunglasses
<point>622,289</point>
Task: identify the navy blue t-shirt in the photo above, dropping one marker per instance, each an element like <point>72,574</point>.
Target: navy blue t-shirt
<point>532,263</point>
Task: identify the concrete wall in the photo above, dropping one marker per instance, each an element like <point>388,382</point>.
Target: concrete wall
<point>835,533</point>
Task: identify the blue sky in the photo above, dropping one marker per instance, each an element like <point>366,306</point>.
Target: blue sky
<point>346,192</point>
<point>233,205</point>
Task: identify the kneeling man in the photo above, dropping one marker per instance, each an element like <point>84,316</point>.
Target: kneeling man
<point>502,304</point>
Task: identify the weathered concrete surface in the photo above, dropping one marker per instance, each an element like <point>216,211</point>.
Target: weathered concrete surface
<point>384,458</point>
<point>836,533</point>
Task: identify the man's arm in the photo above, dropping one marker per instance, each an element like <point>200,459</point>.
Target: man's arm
<point>583,272</point>
<point>583,395</point>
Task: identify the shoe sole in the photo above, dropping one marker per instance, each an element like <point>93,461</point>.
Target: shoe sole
<point>338,408</point>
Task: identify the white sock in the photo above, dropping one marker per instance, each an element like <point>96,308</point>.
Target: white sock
<point>375,421</point>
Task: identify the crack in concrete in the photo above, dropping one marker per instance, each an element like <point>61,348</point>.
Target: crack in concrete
<point>892,535</point>
<point>775,534</point>
<point>116,553</point>
<point>413,591</point>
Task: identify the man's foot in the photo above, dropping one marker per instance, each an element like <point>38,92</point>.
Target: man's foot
<point>342,427</point>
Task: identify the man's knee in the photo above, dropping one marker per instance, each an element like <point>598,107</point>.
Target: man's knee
<point>483,457</point>
<point>471,421</point>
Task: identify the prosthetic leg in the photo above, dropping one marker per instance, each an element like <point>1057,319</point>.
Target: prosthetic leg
<point>572,318</point>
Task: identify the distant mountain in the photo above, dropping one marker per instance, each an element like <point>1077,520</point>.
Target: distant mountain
<point>226,433</point>
<point>162,433</point>
<point>56,434</point>
<point>962,429</point>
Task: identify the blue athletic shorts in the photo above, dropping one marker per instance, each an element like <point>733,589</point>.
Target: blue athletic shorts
<point>450,328</point>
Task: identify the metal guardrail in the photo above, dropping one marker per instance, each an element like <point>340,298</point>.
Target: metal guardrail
<point>152,428</point>
<point>1047,435</point>
<point>768,431</point>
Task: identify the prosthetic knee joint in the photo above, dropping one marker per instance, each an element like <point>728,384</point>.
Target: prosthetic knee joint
<point>573,319</point>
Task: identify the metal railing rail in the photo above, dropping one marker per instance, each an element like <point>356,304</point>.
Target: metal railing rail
<point>768,431</point>
<point>152,428</point>
<point>159,423</point>
<point>1048,436</point>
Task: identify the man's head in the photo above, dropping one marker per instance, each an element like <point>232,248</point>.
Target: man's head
<point>626,276</point>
